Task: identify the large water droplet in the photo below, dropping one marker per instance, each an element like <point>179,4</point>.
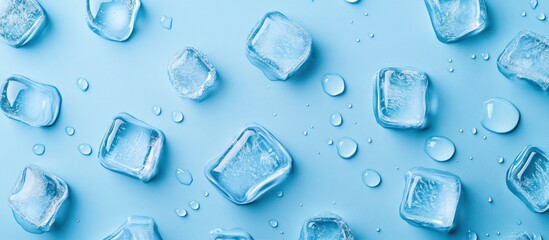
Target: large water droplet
<point>273,223</point>
<point>333,84</point>
<point>85,149</point>
<point>157,110</point>
<point>194,205</point>
<point>500,115</point>
<point>371,178</point>
<point>336,119</point>
<point>485,56</point>
<point>83,84</point>
<point>541,17</point>
<point>166,22</point>
<point>184,176</point>
<point>39,149</point>
<point>490,200</point>
<point>346,147</point>
<point>181,212</point>
<point>351,1</point>
<point>471,235</point>
<point>440,148</point>
<point>533,4</point>
<point>177,117</point>
<point>500,159</point>
<point>70,130</point>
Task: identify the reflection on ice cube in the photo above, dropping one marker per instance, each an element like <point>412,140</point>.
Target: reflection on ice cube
<point>454,20</point>
<point>136,228</point>
<point>20,21</point>
<point>112,19</point>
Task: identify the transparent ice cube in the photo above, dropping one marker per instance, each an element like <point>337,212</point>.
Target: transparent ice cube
<point>254,163</point>
<point>230,234</point>
<point>454,20</point>
<point>191,74</point>
<point>131,147</point>
<point>136,228</point>
<point>112,19</point>
<point>278,46</point>
<point>526,57</point>
<point>20,21</point>
<point>327,226</point>
<point>528,178</point>
<point>30,102</point>
<point>525,236</point>
<point>36,199</point>
<point>400,98</point>
<point>430,198</point>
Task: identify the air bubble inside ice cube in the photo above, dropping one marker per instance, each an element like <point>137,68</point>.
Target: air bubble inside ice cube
<point>230,234</point>
<point>21,21</point>
<point>454,20</point>
<point>136,227</point>
<point>326,226</point>
<point>112,19</point>
<point>191,74</point>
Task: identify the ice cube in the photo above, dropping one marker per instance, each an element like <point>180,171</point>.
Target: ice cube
<point>525,236</point>
<point>400,98</point>
<point>278,46</point>
<point>526,57</point>
<point>528,178</point>
<point>191,74</point>
<point>20,21</point>
<point>112,19</point>
<point>36,199</point>
<point>230,234</point>
<point>30,102</point>
<point>454,20</point>
<point>430,198</point>
<point>131,147</point>
<point>327,226</point>
<point>254,163</point>
<point>136,227</point>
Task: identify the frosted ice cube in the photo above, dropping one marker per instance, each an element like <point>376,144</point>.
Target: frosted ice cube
<point>131,147</point>
<point>454,20</point>
<point>230,234</point>
<point>30,102</point>
<point>136,228</point>
<point>254,163</point>
<point>36,199</point>
<point>191,74</point>
<point>327,226</point>
<point>112,19</point>
<point>20,21</point>
<point>528,178</point>
<point>278,46</point>
<point>525,236</point>
<point>526,57</point>
<point>430,198</point>
<point>400,98</point>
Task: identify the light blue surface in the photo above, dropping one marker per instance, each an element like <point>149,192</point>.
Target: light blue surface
<point>132,77</point>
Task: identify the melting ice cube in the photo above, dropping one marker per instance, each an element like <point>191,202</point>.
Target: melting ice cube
<point>112,19</point>
<point>191,74</point>
<point>430,198</point>
<point>278,46</point>
<point>30,102</point>
<point>253,164</point>
<point>136,227</point>
<point>20,21</point>
<point>400,98</point>
<point>131,147</point>
<point>454,20</point>
<point>36,199</point>
<point>528,178</point>
<point>526,57</point>
<point>230,234</point>
<point>326,227</point>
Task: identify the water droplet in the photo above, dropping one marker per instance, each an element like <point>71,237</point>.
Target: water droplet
<point>39,149</point>
<point>533,4</point>
<point>166,22</point>
<point>541,16</point>
<point>351,21</point>
<point>473,56</point>
<point>378,229</point>
<point>77,220</point>
<point>177,117</point>
<point>157,110</point>
<point>450,69</point>
<point>471,235</point>
<point>470,158</point>
<point>273,223</point>
<point>85,149</point>
<point>333,203</point>
<point>460,130</point>
<point>329,141</point>
<point>181,212</point>
<point>184,176</point>
<point>83,84</point>
<point>307,105</point>
<point>371,178</point>
<point>365,13</point>
<point>490,200</point>
<point>333,84</point>
<point>305,133</point>
<point>279,193</point>
<point>484,137</point>
<point>440,148</point>
<point>275,114</point>
<point>500,159</point>
<point>357,40</point>
<point>500,115</point>
<point>300,204</point>
<point>346,147</point>
<point>336,119</point>
<point>349,105</point>
<point>519,222</point>
<point>371,35</point>
<point>369,140</point>
<point>498,233</point>
<point>487,235</point>
<point>70,130</point>
<point>474,131</point>
<point>206,194</point>
<point>450,60</point>
<point>194,205</point>
<point>485,56</point>
<point>523,13</point>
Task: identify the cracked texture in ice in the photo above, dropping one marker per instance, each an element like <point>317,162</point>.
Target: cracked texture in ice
<point>136,228</point>
<point>20,21</point>
<point>112,19</point>
<point>454,20</point>
<point>191,74</point>
<point>327,226</point>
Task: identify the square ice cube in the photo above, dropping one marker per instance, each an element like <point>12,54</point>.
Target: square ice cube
<point>36,199</point>
<point>254,163</point>
<point>278,46</point>
<point>131,147</point>
<point>112,19</point>
<point>400,98</point>
<point>326,227</point>
<point>454,20</point>
<point>526,57</point>
<point>20,21</point>
<point>191,74</point>
<point>136,227</point>
<point>430,198</point>
<point>30,102</point>
<point>525,236</point>
<point>528,178</point>
<point>230,234</point>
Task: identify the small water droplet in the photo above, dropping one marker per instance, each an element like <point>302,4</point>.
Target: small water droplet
<point>439,148</point>
<point>470,158</point>
<point>498,233</point>
<point>305,133</point>
<point>157,110</point>
<point>166,22</point>
<point>378,229</point>
<point>183,176</point>
<point>333,84</point>
<point>336,119</point>
<point>351,21</point>
<point>333,203</point>
<point>206,194</point>
<point>371,178</point>
<point>500,159</point>
<point>181,212</point>
<point>77,220</point>
<point>471,235</point>
<point>473,56</point>
<point>474,131</point>
<point>83,84</point>
<point>273,223</point>
<point>369,140</point>
<point>519,222</point>
<point>194,205</point>
<point>541,17</point>
<point>485,56</point>
<point>39,149</point>
<point>484,137</point>
<point>307,105</point>
<point>365,13</point>
<point>460,130</point>
<point>329,141</point>
<point>450,60</point>
<point>279,193</point>
<point>85,149</point>
<point>346,147</point>
<point>275,114</point>
<point>533,4</point>
<point>349,105</point>
<point>177,117</point>
<point>500,115</point>
<point>450,69</point>
<point>70,130</point>
<point>487,235</point>
<point>357,40</point>
<point>523,14</point>
<point>371,35</point>
<point>490,200</point>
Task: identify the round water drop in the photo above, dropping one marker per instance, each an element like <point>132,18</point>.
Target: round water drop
<point>85,149</point>
<point>273,223</point>
<point>369,140</point>
<point>184,176</point>
<point>351,21</point>
<point>346,147</point>
<point>70,131</point>
<point>490,200</point>
<point>305,133</point>
<point>279,193</point>
<point>83,84</point>
<point>460,130</point>
<point>450,60</point>
<point>181,212</point>
<point>39,149</point>
<point>485,56</point>
<point>371,35</point>
<point>500,115</point>
<point>336,119</point>
<point>333,84</point>
<point>157,110</point>
<point>177,117</point>
<point>471,235</point>
<point>351,1</point>
<point>300,204</point>
<point>519,222</point>
<point>523,13</point>
<point>440,148</point>
<point>473,56</point>
<point>500,159</point>
<point>349,105</point>
<point>166,22</point>
<point>378,229</point>
<point>371,178</point>
<point>357,40</point>
<point>329,141</point>
<point>77,220</point>
<point>474,131</point>
<point>206,194</point>
<point>194,205</point>
<point>450,69</point>
<point>533,4</point>
<point>541,16</point>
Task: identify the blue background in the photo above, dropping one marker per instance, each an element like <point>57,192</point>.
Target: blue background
<point>131,77</point>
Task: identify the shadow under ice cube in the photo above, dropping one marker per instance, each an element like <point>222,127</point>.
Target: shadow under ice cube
<point>191,74</point>
<point>20,21</point>
<point>326,227</point>
<point>136,228</point>
<point>454,20</point>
